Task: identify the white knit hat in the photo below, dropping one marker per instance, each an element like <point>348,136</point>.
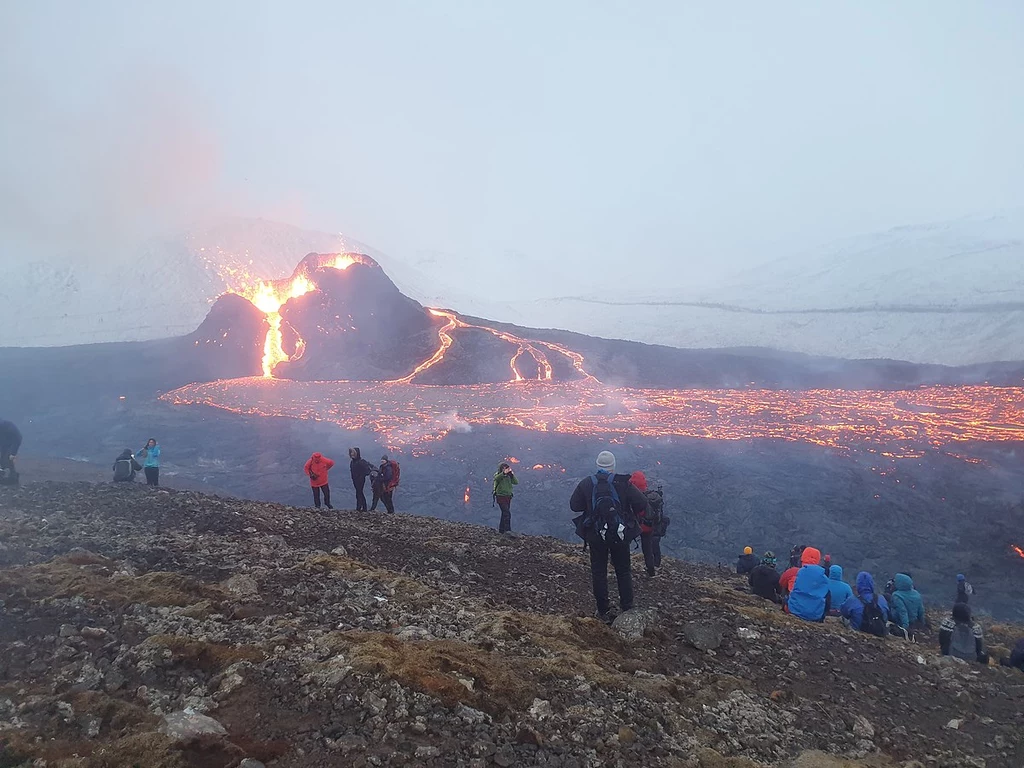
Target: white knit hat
<point>606,461</point>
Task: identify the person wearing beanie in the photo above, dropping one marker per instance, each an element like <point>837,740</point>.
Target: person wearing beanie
<point>609,509</point>
<point>810,598</point>
<point>964,590</point>
<point>747,562</point>
<point>764,579</point>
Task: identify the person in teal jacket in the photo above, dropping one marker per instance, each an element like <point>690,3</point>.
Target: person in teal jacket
<point>839,589</point>
<point>906,602</point>
<point>504,480</point>
<point>150,455</point>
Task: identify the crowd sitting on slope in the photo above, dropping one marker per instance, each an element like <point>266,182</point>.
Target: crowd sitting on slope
<point>811,591</point>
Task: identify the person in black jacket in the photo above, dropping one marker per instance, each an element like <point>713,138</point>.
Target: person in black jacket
<point>764,579</point>
<point>604,537</point>
<point>361,470</point>
<point>747,562</point>
<point>125,467</point>
<point>1016,657</point>
<point>10,444</point>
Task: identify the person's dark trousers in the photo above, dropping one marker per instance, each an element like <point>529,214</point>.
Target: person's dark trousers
<point>152,475</point>
<point>360,495</point>
<point>649,543</point>
<point>5,460</point>
<point>326,490</point>
<point>505,505</point>
<point>388,497</point>
<point>376,498</point>
<point>600,551</point>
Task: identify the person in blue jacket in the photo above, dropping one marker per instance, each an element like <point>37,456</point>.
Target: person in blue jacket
<point>906,603</point>
<point>853,609</point>
<point>810,599</point>
<point>150,455</point>
<point>839,591</point>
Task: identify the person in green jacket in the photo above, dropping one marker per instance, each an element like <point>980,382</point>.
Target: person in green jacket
<point>504,479</point>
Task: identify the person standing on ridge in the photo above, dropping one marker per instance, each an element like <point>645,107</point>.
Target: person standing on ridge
<point>360,469</point>
<point>10,444</point>
<point>964,590</point>
<point>150,454</point>
<point>388,479</point>
<point>747,562</point>
<point>650,523</point>
<point>764,579</point>
<point>125,467</point>
<point>609,508</point>
<point>316,468</point>
<point>504,480</point>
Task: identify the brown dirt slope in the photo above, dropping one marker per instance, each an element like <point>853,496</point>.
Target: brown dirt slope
<point>370,640</point>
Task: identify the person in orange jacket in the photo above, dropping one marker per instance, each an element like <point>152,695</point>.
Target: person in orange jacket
<point>317,468</point>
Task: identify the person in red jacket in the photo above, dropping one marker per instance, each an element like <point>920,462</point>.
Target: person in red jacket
<point>317,468</point>
<point>649,543</point>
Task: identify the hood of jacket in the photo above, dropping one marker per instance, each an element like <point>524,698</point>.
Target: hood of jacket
<point>836,573</point>
<point>810,556</point>
<point>125,454</point>
<point>639,479</point>
<point>903,582</point>
<point>317,456</point>
<point>358,456</point>
<point>865,584</point>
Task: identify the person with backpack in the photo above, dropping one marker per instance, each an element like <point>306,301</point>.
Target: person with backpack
<point>360,469</point>
<point>317,468</point>
<point>609,508</point>
<point>504,480</point>
<point>810,597</point>
<point>125,467</point>
<point>652,524</point>
<point>10,444</point>
<point>747,562</point>
<point>1016,657</point>
<point>764,579</point>
<point>964,590</point>
<point>866,611</point>
<point>839,591</point>
<point>788,578</point>
<point>150,454</point>
<point>388,480</point>
<point>907,606</point>
<point>961,637</point>
<point>794,555</point>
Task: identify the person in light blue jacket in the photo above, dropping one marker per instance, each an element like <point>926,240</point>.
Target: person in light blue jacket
<point>150,455</point>
<point>907,605</point>
<point>838,589</point>
<point>810,598</point>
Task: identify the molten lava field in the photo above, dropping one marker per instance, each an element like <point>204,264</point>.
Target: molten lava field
<point>896,424</point>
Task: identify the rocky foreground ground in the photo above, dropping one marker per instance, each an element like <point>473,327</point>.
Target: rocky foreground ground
<point>161,629</point>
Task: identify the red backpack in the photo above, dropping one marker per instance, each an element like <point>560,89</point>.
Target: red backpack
<point>396,473</point>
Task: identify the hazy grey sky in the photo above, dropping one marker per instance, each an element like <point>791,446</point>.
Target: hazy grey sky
<point>706,135</point>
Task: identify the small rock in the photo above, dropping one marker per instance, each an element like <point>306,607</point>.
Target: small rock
<point>90,725</point>
<point>954,724</point>
<point>242,586</point>
<point>863,729</point>
<point>374,702</point>
<point>635,623</point>
<point>339,551</point>
<point>626,735</point>
<point>250,763</point>
<point>746,633</point>
<point>540,709</point>
<point>703,637</point>
<point>68,630</point>
<point>185,726</point>
<point>528,735</point>
<point>505,758</point>
<point>94,633</point>
<point>425,752</point>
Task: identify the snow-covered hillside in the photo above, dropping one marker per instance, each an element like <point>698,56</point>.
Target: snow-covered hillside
<point>950,293</point>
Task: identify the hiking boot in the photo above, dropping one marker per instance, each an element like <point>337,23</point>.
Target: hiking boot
<point>651,573</point>
<point>329,506</point>
<point>606,617</point>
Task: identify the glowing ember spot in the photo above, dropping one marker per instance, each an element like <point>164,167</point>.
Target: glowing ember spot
<point>465,497</point>
<point>1017,549</point>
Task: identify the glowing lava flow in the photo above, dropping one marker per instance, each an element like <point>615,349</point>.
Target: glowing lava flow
<point>1017,549</point>
<point>268,296</point>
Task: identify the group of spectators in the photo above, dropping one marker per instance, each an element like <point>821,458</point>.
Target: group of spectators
<point>813,588</point>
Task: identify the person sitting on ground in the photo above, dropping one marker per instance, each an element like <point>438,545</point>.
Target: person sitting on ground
<point>609,508</point>
<point>650,543</point>
<point>810,597</point>
<point>125,467</point>
<point>866,611</point>
<point>964,590</point>
<point>502,493</point>
<point>839,591</point>
<point>961,637</point>
<point>747,562</point>
<point>907,606</point>
<point>788,577</point>
<point>764,579</point>
<point>1016,657</point>
<point>317,468</point>
<point>794,555</point>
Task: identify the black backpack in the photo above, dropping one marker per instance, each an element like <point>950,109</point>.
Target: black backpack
<point>123,470</point>
<point>606,517</point>
<point>655,508</point>
<point>873,620</point>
